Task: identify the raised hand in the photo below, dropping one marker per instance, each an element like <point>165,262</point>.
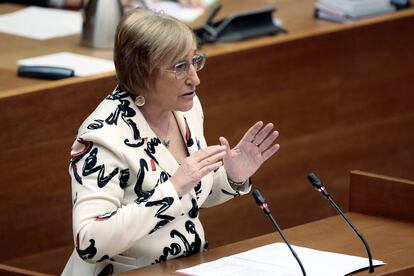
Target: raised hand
<point>256,146</point>
<point>196,166</point>
<point>192,3</point>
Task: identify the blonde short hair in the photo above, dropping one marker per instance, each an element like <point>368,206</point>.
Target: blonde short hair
<point>146,41</point>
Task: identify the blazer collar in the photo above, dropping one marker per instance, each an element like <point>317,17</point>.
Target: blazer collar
<point>187,134</point>
<point>153,146</point>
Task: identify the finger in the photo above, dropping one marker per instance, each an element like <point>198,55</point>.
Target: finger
<point>252,131</point>
<point>211,159</point>
<point>208,151</point>
<point>210,168</point>
<point>224,142</point>
<point>268,141</point>
<point>269,152</point>
<point>262,134</point>
<point>196,3</point>
<point>185,3</point>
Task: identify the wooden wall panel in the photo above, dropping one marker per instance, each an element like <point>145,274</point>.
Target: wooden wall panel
<point>394,197</point>
<point>341,101</point>
<point>38,129</point>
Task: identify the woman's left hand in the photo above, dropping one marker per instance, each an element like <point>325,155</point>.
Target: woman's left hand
<point>192,3</point>
<point>251,152</point>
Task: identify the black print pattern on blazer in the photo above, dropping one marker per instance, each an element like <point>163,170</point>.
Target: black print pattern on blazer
<point>76,198</point>
<point>74,158</point>
<point>175,248</point>
<point>165,203</point>
<point>136,134</point>
<point>124,111</point>
<point>97,124</point>
<point>107,271</point>
<point>104,257</point>
<point>123,178</point>
<point>195,246</point>
<point>90,167</point>
<point>106,216</point>
<point>164,176</point>
<point>87,253</point>
<point>198,189</point>
<point>236,194</point>
<point>142,195</point>
<point>193,213</point>
<point>150,150</point>
<point>198,144</point>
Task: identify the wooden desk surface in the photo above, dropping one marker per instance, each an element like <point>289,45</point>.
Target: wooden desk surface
<point>390,241</point>
<point>296,16</point>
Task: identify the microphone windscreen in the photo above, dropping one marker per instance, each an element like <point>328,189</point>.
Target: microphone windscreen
<point>258,197</point>
<point>314,180</point>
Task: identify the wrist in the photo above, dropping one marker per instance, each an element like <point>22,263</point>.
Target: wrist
<point>178,188</point>
<point>235,183</point>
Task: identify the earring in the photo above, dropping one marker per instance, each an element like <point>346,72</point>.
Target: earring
<point>140,100</point>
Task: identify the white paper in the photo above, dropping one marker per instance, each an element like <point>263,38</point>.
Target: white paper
<point>82,65</point>
<point>186,14</point>
<point>41,23</point>
<point>276,259</point>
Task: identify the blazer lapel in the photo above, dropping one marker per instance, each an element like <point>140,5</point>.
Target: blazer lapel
<point>156,150</point>
<point>190,140</point>
<point>153,147</point>
<point>186,129</point>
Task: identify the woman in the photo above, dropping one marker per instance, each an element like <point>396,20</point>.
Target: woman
<point>140,165</point>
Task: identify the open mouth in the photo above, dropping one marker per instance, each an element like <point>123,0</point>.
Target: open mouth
<point>188,94</point>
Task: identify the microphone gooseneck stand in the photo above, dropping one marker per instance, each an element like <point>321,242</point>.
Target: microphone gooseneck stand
<point>321,189</point>
<point>263,205</point>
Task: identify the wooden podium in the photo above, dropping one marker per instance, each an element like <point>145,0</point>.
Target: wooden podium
<point>382,209</point>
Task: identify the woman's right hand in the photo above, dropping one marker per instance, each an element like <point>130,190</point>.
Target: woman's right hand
<point>196,166</point>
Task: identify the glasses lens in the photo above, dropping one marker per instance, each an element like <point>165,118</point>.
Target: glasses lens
<point>181,69</point>
<point>199,61</point>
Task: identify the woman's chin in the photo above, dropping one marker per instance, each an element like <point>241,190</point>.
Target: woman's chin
<point>186,102</point>
<point>185,106</point>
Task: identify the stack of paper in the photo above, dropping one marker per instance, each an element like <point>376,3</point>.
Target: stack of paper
<point>347,10</point>
<point>183,13</point>
<point>82,65</point>
<point>41,23</point>
<point>276,259</point>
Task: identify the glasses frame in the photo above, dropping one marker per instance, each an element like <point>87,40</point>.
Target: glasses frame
<point>183,73</point>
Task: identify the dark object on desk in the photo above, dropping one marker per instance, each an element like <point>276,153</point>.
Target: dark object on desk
<point>401,4</point>
<point>238,26</point>
<point>100,19</point>
<point>40,3</point>
<point>45,72</point>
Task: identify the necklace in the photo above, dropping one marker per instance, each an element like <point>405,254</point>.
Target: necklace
<point>166,143</point>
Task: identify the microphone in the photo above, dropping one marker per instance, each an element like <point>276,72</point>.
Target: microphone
<point>263,205</point>
<point>317,184</point>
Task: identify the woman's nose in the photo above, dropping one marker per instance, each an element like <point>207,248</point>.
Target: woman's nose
<point>192,78</point>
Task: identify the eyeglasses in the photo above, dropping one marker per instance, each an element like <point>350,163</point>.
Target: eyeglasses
<point>182,68</point>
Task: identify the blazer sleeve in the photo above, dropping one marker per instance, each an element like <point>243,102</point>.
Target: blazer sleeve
<point>222,191</point>
<point>102,226</point>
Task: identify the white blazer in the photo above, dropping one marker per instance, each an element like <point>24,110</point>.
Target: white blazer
<point>126,212</point>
